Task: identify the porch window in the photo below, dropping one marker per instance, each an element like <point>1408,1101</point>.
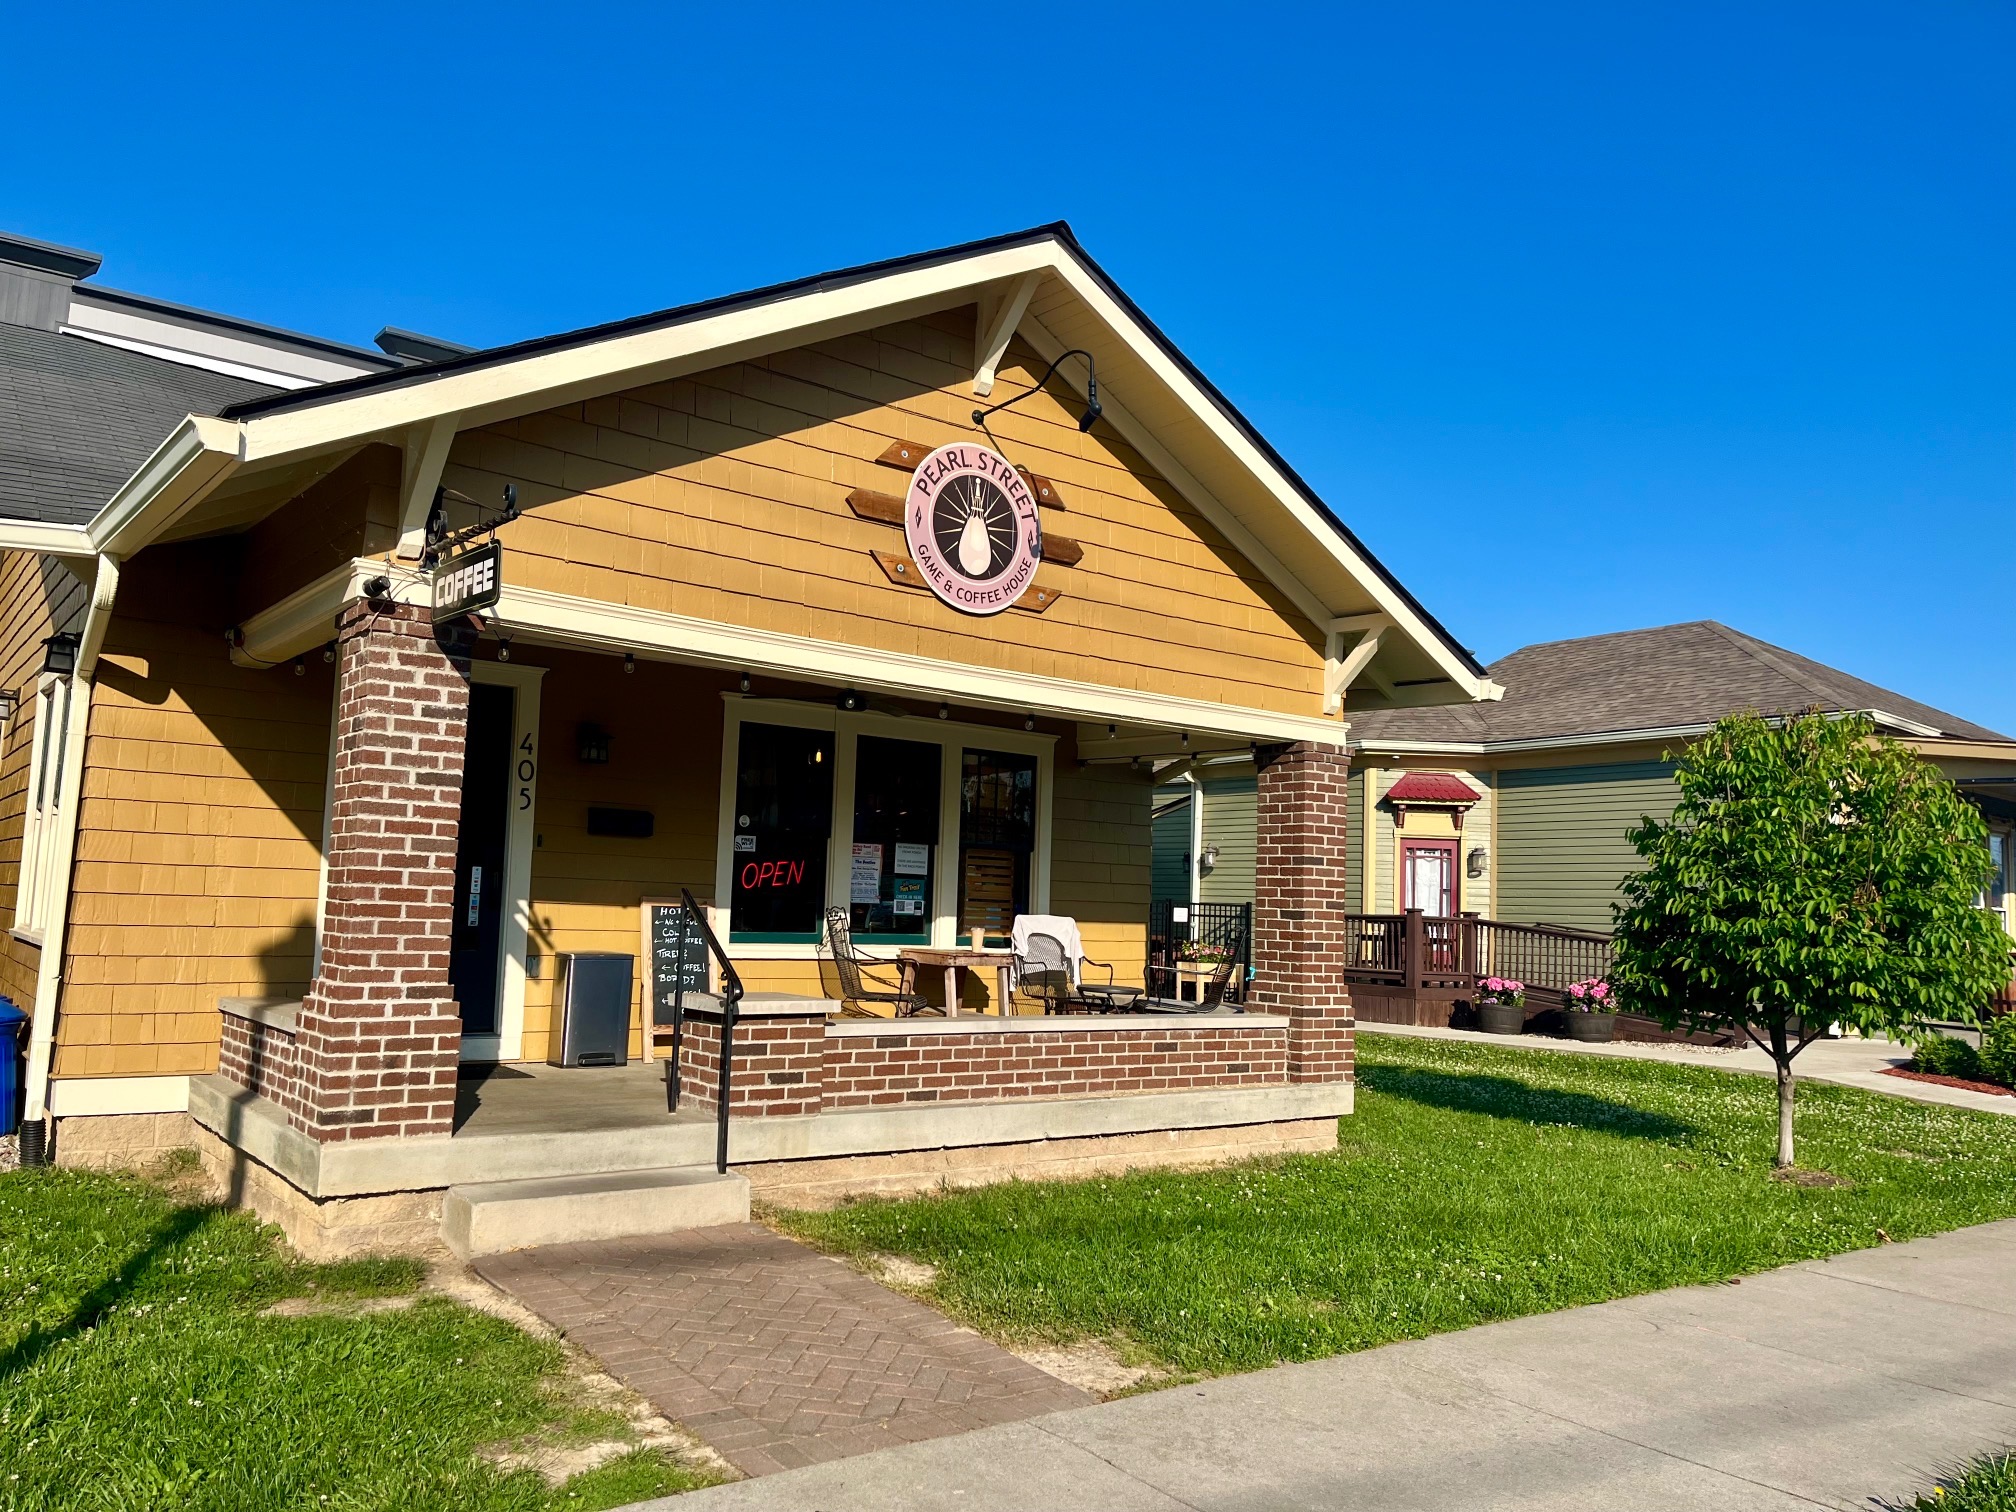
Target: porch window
<point>892,865</point>
<point>997,838</point>
<point>1996,894</point>
<point>922,830</point>
<point>46,794</point>
<point>783,825</point>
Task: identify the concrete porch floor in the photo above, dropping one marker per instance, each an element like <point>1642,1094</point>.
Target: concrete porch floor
<point>535,1098</point>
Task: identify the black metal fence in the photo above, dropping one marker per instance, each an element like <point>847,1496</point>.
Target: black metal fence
<point>1172,924</point>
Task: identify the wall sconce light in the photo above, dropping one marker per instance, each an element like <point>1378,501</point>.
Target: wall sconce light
<point>851,702</point>
<point>9,702</point>
<point>59,654</point>
<point>591,744</point>
<point>1479,862</point>
<point>1208,861</point>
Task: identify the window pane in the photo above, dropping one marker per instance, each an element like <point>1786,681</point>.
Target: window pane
<point>997,837</point>
<point>896,785</point>
<point>45,717</point>
<point>60,704</point>
<point>783,823</point>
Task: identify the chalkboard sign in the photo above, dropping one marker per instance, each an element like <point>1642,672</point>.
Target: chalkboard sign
<point>674,949</point>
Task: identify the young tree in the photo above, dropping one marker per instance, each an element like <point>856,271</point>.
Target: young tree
<point>1812,872</point>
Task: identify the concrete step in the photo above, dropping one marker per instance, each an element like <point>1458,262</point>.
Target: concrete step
<point>488,1218</point>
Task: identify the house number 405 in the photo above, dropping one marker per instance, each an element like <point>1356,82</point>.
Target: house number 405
<point>527,770</point>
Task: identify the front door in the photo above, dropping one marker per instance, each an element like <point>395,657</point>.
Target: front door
<point>475,950</point>
<point>1429,867</point>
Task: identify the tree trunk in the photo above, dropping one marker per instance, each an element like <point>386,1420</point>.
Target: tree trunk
<point>1782,1054</point>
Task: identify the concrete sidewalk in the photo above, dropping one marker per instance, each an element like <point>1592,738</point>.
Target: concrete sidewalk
<point>1844,1383</point>
<point>1843,1062</point>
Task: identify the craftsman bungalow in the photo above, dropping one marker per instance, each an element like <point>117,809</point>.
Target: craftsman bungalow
<point>386,682</point>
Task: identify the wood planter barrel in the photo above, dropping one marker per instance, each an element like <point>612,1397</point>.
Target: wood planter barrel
<point>1591,1028</point>
<point>1501,1018</point>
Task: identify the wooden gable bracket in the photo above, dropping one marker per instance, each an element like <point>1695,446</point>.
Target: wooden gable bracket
<point>423,453</point>
<point>887,509</point>
<point>901,571</point>
<point>1341,667</point>
<point>1000,313</point>
<point>905,455</point>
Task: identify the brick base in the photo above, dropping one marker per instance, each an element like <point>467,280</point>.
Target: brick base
<point>827,1183</point>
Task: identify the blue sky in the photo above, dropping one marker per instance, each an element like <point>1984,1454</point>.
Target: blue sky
<point>1584,317</point>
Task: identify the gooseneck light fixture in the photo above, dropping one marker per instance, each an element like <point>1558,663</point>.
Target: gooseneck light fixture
<point>1092,407</point>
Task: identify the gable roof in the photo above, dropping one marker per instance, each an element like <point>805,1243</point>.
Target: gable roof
<point>1155,399</point>
<point>1669,678</point>
<point>78,416</point>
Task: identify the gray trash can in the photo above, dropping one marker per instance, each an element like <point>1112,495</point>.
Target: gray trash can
<point>594,1004</point>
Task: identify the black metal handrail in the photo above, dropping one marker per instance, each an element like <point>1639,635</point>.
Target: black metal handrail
<point>731,1011</point>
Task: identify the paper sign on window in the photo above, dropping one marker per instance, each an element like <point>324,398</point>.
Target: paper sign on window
<point>912,860</point>
<point>865,885</point>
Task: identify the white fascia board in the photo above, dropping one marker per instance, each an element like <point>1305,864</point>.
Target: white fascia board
<point>306,618</point>
<point>482,394</point>
<point>45,539</point>
<point>198,455</point>
<point>1319,530</point>
<point>202,360</point>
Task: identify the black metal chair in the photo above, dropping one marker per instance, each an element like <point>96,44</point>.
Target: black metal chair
<point>1211,992</point>
<point>1045,974</point>
<point>857,988</point>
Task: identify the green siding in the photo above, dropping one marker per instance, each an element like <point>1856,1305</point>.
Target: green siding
<point>1231,806</point>
<point>1561,847</point>
<point>1171,865</point>
<point>1354,842</point>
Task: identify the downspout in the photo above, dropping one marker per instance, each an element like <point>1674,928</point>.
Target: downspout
<point>49,976</point>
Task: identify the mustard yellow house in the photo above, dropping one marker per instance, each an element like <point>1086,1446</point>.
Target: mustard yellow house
<point>303,806</point>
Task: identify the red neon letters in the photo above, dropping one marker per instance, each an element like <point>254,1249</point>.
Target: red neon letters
<point>757,874</point>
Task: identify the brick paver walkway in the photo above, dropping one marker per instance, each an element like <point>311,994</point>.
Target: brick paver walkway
<point>775,1355</point>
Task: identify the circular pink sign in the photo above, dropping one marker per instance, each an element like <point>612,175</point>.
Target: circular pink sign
<point>972,527</point>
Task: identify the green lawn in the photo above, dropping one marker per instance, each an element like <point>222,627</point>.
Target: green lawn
<point>1473,1183</point>
<point>1988,1485</point>
<point>136,1371</point>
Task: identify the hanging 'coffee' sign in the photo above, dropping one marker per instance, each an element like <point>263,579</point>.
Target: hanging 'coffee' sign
<point>972,526</point>
<point>469,583</point>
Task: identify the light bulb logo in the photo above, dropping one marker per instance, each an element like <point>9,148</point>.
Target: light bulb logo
<point>972,527</point>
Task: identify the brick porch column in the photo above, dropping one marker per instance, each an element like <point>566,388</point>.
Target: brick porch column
<point>1299,904</point>
<point>379,1031</point>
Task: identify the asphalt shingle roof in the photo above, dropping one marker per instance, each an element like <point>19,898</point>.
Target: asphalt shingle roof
<point>77,417</point>
<point>1657,679</point>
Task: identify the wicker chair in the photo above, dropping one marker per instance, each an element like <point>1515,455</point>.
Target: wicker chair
<point>857,989</point>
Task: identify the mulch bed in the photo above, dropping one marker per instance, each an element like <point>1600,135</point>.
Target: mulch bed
<point>1950,1081</point>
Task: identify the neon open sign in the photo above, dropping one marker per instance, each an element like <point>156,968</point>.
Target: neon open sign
<point>760,874</point>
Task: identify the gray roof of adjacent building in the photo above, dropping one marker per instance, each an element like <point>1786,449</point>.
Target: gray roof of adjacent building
<point>78,417</point>
<point>1668,678</point>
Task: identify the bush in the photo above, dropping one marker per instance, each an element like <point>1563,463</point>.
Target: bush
<point>1998,1050</point>
<point>1941,1056</point>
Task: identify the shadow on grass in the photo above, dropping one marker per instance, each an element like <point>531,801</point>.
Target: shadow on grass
<point>1502,1097</point>
<point>93,1307</point>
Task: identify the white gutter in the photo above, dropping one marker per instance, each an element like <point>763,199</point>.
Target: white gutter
<point>49,973</point>
<point>1196,838</point>
<point>45,539</point>
<point>199,454</point>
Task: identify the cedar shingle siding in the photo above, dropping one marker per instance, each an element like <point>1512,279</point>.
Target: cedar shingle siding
<point>1561,846</point>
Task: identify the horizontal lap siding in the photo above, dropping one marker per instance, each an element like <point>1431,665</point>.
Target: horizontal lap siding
<point>198,846</point>
<point>723,496</point>
<point>1562,851</point>
<point>38,598</point>
<point>1172,847</point>
<point>1231,809</point>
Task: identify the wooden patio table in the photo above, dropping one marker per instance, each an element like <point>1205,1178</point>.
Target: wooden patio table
<point>960,958</point>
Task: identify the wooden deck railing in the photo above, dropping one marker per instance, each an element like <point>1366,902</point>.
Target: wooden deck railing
<point>1417,950</point>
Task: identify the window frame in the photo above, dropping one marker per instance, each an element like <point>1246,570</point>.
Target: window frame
<point>43,805</point>
<point>951,736</point>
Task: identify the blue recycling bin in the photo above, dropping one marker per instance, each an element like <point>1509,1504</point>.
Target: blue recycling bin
<point>13,1025</point>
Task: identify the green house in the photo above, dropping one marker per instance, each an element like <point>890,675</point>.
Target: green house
<point>1518,809</point>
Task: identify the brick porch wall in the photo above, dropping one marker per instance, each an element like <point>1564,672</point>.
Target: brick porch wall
<point>779,1065</point>
<point>379,1032</point>
<point>1299,903</point>
<point>262,1059</point>
<point>884,1070</point>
